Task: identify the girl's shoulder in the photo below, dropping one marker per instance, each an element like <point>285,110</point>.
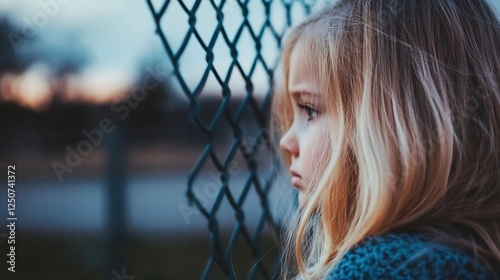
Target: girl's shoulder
<point>408,256</point>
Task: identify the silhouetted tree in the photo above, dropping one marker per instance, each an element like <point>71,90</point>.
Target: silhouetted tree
<point>10,47</point>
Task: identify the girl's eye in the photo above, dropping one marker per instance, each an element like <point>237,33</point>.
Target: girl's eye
<point>311,112</point>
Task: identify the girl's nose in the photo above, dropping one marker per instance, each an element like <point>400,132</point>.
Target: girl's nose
<point>289,143</point>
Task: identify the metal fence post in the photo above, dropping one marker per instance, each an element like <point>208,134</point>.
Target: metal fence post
<point>115,197</point>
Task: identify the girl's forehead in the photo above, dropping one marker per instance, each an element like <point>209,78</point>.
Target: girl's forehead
<point>303,70</point>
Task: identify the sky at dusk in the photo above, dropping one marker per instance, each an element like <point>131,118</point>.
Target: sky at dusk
<point>118,38</point>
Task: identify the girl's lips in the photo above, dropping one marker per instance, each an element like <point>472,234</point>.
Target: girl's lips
<point>296,181</point>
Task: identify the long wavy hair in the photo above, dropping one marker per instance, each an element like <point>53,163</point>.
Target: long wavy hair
<point>412,90</point>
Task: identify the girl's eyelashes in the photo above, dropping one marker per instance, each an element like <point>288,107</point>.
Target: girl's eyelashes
<point>310,111</point>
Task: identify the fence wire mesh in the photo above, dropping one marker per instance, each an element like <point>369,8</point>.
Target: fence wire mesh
<point>250,41</point>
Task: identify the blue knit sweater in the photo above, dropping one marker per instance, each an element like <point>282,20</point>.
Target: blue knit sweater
<point>408,256</point>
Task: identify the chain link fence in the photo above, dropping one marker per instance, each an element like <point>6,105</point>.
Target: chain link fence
<point>239,43</point>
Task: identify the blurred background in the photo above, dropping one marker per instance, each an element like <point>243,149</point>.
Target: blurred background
<point>95,117</point>
<point>104,138</point>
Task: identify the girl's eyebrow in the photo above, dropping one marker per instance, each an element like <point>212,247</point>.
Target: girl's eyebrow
<point>300,94</point>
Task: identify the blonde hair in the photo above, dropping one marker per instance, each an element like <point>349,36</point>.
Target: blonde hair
<point>412,88</point>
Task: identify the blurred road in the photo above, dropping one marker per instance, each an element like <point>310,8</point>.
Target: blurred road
<point>155,204</point>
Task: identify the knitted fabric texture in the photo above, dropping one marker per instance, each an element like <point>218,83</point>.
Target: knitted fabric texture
<point>407,256</point>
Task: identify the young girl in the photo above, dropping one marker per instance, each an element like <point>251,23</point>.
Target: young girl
<point>388,114</point>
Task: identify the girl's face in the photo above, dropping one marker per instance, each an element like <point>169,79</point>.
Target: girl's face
<point>305,141</point>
